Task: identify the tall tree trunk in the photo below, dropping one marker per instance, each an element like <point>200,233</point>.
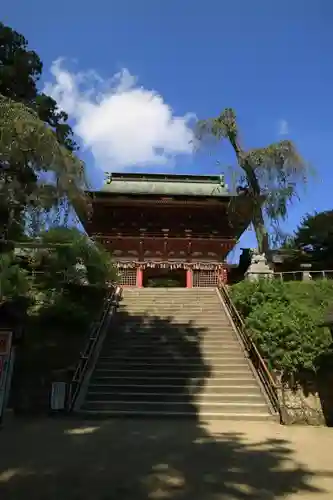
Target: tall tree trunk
<point>258,217</point>
<point>255,193</point>
<point>260,231</point>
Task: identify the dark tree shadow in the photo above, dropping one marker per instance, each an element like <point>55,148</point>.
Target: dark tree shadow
<point>141,459</point>
<point>72,459</point>
<point>176,341</point>
<point>324,384</point>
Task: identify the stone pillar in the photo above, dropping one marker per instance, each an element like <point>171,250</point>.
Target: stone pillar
<point>306,274</point>
<point>189,278</point>
<point>139,277</point>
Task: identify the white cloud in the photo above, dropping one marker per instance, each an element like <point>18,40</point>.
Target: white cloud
<point>283,127</point>
<point>121,123</point>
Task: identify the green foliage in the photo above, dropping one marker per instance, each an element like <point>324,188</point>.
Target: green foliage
<point>39,170</point>
<point>14,281</point>
<point>270,176</point>
<point>59,308</point>
<point>20,67</point>
<point>313,240</point>
<point>55,289</point>
<point>73,248</point>
<point>20,71</point>
<point>29,148</point>
<point>283,319</point>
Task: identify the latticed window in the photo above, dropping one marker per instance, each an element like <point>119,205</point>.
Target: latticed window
<point>205,278</point>
<point>127,277</point>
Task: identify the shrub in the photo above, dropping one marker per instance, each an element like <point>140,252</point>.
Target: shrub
<point>249,295</point>
<point>14,281</point>
<point>75,248</point>
<point>283,320</point>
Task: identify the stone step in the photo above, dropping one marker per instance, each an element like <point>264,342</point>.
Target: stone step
<point>170,397</point>
<point>209,298</point>
<point>172,370</point>
<point>190,295</point>
<point>162,349</point>
<point>232,379</point>
<point>124,355</point>
<point>162,292</point>
<point>169,364</point>
<point>174,316</point>
<point>160,321</point>
<point>223,388</point>
<point>130,357</point>
<point>172,327</point>
<point>169,297</point>
<point>151,318</point>
<point>179,331</point>
<point>167,338</point>
<point>141,308</point>
<point>186,330</point>
<point>167,302</point>
<point>185,338</point>
<point>182,346</point>
<point>185,327</point>
<point>174,407</point>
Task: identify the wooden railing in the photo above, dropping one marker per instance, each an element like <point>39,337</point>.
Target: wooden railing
<point>263,372</point>
<point>109,306</point>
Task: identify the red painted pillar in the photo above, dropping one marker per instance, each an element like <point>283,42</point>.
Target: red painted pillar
<point>139,277</point>
<point>189,278</point>
<point>222,276</point>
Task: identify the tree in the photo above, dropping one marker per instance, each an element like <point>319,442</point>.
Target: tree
<point>68,247</point>
<point>313,239</point>
<point>28,150</point>
<point>14,281</point>
<point>269,175</point>
<point>39,169</point>
<point>20,71</point>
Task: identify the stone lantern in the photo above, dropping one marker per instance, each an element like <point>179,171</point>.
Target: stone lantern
<point>306,275</point>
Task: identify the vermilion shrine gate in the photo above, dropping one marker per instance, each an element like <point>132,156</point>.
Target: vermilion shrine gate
<point>168,226</point>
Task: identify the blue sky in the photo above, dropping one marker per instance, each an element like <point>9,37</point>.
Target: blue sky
<point>271,61</point>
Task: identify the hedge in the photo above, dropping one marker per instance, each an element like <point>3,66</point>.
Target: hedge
<point>283,319</point>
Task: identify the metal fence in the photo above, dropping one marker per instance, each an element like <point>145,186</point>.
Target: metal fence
<point>304,275</point>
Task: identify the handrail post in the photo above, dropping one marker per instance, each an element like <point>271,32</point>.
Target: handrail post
<point>263,372</point>
<point>111,301</point>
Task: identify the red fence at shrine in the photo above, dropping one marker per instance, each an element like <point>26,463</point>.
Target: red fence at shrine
<point>128,276</point>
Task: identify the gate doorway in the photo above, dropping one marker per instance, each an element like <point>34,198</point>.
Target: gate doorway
<point>166,278</point>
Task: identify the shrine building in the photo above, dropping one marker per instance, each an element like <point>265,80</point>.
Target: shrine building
<point>174,228</point>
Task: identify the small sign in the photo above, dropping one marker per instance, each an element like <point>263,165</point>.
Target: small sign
<point>5,372</point>
<point>58,396</point>
<point>5,342</point>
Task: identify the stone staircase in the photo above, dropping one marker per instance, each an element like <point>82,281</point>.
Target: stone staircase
<point>174,352</point>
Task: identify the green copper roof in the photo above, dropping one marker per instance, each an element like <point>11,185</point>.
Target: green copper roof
<point>166,185</point>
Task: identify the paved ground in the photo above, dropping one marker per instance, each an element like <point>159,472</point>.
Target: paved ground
<point>120,460</point>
